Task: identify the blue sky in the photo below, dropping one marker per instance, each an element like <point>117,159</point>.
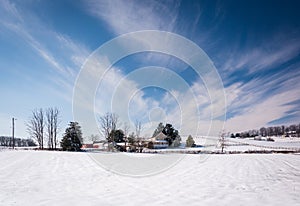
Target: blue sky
<point>254,46</point>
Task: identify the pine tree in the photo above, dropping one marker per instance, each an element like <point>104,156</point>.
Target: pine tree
<point>158,130</point>
<point>190,142</point>
<point>117,135</point>
<point>72,140</point>
<point>173,136</point>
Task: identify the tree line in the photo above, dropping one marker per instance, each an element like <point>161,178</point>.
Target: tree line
<point>44,124</point>
<point>18,142</point>
<point>288,131</point>
<point>113,134</point>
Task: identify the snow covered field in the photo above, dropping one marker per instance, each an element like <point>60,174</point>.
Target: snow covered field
<point>249,144</point>
<point>62,178</point>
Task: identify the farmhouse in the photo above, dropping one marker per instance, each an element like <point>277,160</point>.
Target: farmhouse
<point>158,142</point>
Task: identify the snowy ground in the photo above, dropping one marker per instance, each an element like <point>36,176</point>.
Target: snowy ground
<point>62,178</point>
<point>249,144</point>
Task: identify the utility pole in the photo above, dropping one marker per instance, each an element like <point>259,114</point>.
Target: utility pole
<point>13,132</point>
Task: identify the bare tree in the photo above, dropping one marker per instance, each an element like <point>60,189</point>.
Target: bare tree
<point>35,127</point>
<point>138,128</point>
<point>52,124</point>
<point>105,125</point>
<point>108,123</point>
<point>94,137</point>
<point>222,141</point>
<point>126,130</point>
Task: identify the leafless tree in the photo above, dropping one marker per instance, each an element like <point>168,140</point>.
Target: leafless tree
<point>126,130</point>
<point>94,137</point>
<point>138,128</point>
<point>222,141</point>
<point>35,126</point>
<point>5,141</point>
<point>108,123</point>
<point>52,125</point>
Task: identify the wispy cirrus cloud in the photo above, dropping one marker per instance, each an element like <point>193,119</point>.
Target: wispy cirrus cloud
<point>245,96</point>
<point>122,17</point>
<point>14,21</point>
<point>262,113</point>
<point>263,100</point>
<point>261,78</point>
<point>128,16</point>
<point>271,53</point>
<point>64,55</point>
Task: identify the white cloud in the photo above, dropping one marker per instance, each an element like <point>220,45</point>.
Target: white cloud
<point>135,15</point>
<point>271,53</point>
<point>186,107</point>
<point>11,11</point>
<point>127,16</point>
<point>15,22</point>
<point>247,101</point>
<point>123,17</point>
<point>261,114</point>
<point>262,100</point>
<point>61,53</point>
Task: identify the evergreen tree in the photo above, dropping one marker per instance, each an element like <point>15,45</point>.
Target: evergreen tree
<point>72,139</point>
<point>117,135</point>
<point>131,138</point>
<point>158,130</point>
<point>190,142</point>
<point>173,137</point>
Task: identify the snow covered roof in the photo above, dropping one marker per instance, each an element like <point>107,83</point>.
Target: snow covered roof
<point>158,137</point>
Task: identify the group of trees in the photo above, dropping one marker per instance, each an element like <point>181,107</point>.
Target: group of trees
<point>291,130</point>
<point>8,142</point>
<point>43,127</point>
<point>109,127</point>
<point>109,123</point>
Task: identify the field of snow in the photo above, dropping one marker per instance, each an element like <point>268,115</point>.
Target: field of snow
<point>62,178</point>
<point>249,144</point>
